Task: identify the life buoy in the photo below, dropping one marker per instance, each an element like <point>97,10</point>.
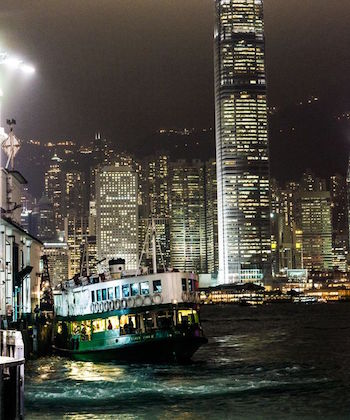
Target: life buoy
<point>185,296</point>
<point>147,301</point>
<point>138,301</point>
<point>157,299</point>
<point>110,305</point>
<point>105,306</point>
<point>100,307</point>
<point>131,302</point>
<point>92,308</point>
<point>124,303</point>
<point>116,304</point>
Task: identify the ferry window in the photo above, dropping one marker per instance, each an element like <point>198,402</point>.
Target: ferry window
<point>110,293</point>
<point>93,296</point>
<point>184,285</point>
<point>157,286</point>
<point>104,294</point>
<point>135,289</point>
<point>163,320</point>
<point>148,322</point>
<point>98,325</point>
<point>188,317</point>
<point>126,290</point>
<point>75,328</point>
<point>123,321</point>
<point>117,292</point>
<point>114,321</point>
<point>145,288</point>
<point>99,295</point>
<point>127,324</point>
<point>190,285</point>
<point>85,332</point>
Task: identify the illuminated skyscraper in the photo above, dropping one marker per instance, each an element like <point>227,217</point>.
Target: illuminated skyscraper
<point>187,216</point>
<point>155,185</point>
<point>74,193</point>
<point>339,221</point>
<point>211,217</point>
<point>54,190</point>
<point>242,142</point>
<point>58,258</point>
<point>313,217</point>
<point>117,214</point>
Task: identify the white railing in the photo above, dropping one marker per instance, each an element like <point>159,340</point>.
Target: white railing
<point>11,344</point>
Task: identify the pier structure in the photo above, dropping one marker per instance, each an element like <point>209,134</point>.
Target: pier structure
<point>11,375</point>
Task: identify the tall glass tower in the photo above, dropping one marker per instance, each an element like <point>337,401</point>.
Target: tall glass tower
<point>242,142</point>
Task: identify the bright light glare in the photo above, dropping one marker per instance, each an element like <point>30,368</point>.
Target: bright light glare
<point>27,69</point>
<point>13,63</point>
<point>16,63</point>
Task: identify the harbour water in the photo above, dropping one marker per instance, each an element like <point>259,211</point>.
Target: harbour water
<point>290,361</point>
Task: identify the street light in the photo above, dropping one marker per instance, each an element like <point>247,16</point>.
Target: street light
<point>15,63</point>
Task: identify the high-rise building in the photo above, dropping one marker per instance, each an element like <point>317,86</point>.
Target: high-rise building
<point>286,245</point>
<point>313,217</point>
<point>75,217</point>
<point>74,199</point>
<point>211,218</point>
<point>54,190</point>
<point>45,219</point>
<point>155,185</point>
<point>187,216</point>
<point>340,239</point>
<point>309,182</point>
<point>117,214</point>
<point>58,259</point>
<point>286,238</point>
<point>75,234</point>
<point>242,142</point>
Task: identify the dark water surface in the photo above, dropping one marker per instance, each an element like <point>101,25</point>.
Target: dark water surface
<point>278,361</point>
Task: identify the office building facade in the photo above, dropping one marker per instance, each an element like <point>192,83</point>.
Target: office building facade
<point>117,214</point>
<point>313,217</point>
<point>187,216</point>
<point>242,142</point>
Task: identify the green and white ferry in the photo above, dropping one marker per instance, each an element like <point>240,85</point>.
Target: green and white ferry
<point>117,316</point>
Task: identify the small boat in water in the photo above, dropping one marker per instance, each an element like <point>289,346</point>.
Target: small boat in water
<point>121,316</point>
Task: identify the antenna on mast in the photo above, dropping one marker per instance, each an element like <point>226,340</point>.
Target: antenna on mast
<point>11,144</point>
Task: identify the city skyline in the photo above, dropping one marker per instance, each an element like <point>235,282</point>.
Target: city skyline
<point>175,227</point>
<point>215,225</point>
<point>77,107</point>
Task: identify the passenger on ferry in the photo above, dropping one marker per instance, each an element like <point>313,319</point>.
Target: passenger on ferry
<point>83,334</point>
<point>129,327</point>
<point>110,326</point>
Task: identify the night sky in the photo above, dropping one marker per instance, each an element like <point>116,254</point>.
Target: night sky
<point>130,67</point>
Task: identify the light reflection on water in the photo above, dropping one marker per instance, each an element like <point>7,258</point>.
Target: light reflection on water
<point>272,361</point>
<point>92,372</point>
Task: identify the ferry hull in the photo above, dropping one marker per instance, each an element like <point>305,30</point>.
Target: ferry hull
<point>169,349</point>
